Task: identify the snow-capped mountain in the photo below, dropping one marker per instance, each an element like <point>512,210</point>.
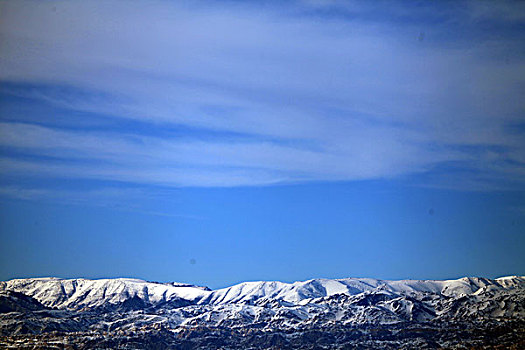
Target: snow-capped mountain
<point>84,293</point>
<point>40,305</point>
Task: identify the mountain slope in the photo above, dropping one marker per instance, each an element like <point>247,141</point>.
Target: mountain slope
<point>340,309</point>
<point>84,293</point>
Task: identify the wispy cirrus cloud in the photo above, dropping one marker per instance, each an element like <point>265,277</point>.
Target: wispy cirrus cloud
<point>297,92</point>
<point>147,159</point>
<point>126,199</point>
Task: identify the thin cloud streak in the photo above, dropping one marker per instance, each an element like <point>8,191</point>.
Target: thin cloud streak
<point>137,158</point>
<point>122,199</point>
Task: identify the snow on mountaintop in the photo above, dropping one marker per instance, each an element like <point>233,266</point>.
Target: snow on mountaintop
<point>511,281</point>
<point>82,293</point>
<point>266,313</point>
<point>79,293</point>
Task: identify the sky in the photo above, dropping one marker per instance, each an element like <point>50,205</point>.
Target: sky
<point>214,142</point>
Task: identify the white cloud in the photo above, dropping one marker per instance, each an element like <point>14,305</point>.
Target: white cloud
<point>318,98</point>
<point>205,163</point>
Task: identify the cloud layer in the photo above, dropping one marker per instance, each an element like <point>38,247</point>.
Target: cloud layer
<point>235,94</point>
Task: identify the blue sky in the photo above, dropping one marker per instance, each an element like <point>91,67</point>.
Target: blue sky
<point>216,142</point>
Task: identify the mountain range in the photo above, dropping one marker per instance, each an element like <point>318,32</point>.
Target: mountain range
<point>318,313</point>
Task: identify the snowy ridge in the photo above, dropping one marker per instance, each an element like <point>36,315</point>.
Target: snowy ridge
<point>259,315</point>
<point>85,293</point>
<point>256,314</point>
